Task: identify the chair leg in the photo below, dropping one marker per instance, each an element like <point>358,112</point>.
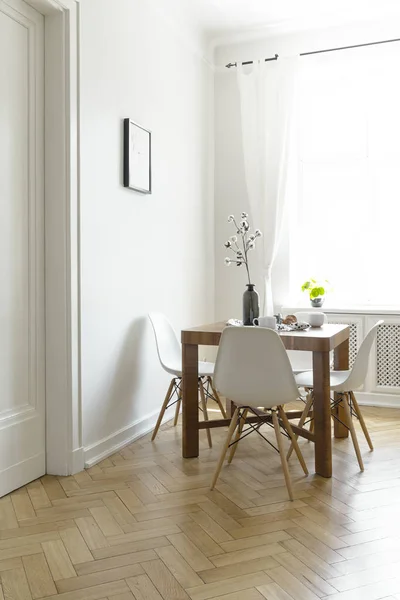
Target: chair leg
<point>293,439</point>
<point>361,419</point>
<point>217,398</point>
<point>232,427</point>
<point>312,426</point>
<point>178,408</point>
<point>279,439</point>
<point>204,408</point>
<point>241,423</point>
<point>303,418</point>
<point>163,408</point>
<point>346,407</point>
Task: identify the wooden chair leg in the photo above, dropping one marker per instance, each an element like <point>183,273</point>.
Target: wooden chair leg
<point>178,407</point>
<point>353,434</point>
<point>204,408</point>
<point>312,426</point>
<point>293,439</point>
<point>240,426</point>
<point>361,419</point>
<point>232,427</point>
<point>303,418</point>
<point>279,439</point>
<point>217,398</point>
<point>163,409</point>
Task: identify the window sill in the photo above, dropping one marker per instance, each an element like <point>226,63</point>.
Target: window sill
<point>357,310</point>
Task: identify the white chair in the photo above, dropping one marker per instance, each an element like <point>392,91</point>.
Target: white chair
<point>343,383</point>
<point>170,355</point>
<point>301,360</point>
<point>253,370</point>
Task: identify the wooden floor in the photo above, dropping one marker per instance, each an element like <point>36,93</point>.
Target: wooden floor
<point>143,525</point>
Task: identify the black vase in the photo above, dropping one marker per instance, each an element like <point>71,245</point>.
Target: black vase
<point>251,305</point>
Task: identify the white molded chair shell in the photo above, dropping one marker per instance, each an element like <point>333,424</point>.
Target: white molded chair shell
<point>253,368</point>
<point>348,381</point>
<point>168,347</point>
<point>170,350</point>
<point>359,371</point>
<point>301,360</point>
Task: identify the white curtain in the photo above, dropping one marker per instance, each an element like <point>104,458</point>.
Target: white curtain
<point>267,98</point>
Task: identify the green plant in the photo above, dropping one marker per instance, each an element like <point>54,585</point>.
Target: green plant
<point>315,288</point>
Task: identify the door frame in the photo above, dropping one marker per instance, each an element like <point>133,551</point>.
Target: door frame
<point>64,451</point>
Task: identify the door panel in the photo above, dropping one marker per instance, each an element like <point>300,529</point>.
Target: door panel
<point>22,367</point>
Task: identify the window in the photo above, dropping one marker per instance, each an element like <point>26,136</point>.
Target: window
<point>345,221</point>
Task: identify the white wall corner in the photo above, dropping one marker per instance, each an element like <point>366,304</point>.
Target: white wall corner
<point>192,37</point>
<point>121,438</point>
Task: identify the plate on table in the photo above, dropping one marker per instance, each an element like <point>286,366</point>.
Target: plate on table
<point>299,326</point>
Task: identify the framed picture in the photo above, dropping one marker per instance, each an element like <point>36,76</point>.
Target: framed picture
<point>137,157</point>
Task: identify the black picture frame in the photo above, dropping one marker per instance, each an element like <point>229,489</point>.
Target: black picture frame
<point>137,157</point>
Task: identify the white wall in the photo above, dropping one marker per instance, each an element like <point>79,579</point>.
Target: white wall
<point>140,253</point>
<point>230,188</point>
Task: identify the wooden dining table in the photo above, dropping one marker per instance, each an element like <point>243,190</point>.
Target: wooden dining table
<point>319,340</point>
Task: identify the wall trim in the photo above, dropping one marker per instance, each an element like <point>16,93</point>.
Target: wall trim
<point>121,438</point>
<point>64,455</point>
<point>77,461</point>
<point>378,400</point>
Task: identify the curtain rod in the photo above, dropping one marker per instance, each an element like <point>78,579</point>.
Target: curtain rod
<point>250,62</point>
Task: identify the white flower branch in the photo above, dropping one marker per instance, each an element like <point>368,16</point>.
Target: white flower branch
<point>246,239</point>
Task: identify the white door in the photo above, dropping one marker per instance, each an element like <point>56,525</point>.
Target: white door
<point>22,327</point>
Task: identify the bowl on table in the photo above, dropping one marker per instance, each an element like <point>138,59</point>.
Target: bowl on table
<point>316,319</point>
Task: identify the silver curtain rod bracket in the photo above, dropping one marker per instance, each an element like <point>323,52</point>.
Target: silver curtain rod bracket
<point>250,62</point>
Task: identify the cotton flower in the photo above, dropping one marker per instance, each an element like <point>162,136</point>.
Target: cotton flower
<point>242,243</point>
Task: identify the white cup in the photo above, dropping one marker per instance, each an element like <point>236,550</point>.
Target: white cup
<point>269,322</point>
<point>316,319</point>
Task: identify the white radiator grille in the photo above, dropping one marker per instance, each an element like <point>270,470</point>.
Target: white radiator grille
<point>388,356</point>
<point>353,341</point>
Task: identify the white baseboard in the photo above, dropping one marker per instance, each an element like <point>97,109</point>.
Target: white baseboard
<point>18,475</point>
<point>378,400</point>
<point>117,440</point>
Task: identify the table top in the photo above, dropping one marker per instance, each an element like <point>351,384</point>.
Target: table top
<point>315,339</point>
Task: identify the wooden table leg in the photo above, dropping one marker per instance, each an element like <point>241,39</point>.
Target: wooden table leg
<point>341,364</point>
<point>230,408</point>
<point>322,414</point>
<point>190,401</point>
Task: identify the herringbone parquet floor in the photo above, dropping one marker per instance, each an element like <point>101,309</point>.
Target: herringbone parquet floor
<point>143,525</point>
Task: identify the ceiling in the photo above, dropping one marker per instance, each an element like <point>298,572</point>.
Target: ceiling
<point>221,18</point>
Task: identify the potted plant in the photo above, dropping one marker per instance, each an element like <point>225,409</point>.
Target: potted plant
<point>317,291</point>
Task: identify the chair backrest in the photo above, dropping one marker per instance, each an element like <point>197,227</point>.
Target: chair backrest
<point>253,368</point>
<point>168,347</point>
<point>359,371</point>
